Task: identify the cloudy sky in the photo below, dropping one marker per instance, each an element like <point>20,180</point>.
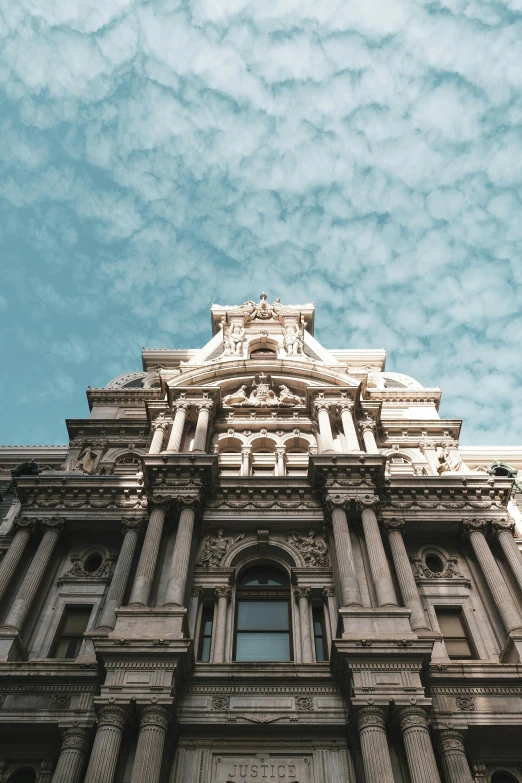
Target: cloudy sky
<point>160,156</point>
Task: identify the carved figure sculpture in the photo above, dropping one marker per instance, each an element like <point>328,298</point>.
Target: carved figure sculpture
<point>215,549</point>
<point>446,464</point>
<point>293,340</point>
<point>262,393</point>
<point>286,397</point>
<point>314,550</point>
<point>236,398</point>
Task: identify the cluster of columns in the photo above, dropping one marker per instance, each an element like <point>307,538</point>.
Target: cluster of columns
<point>145,572</point>
<point>345,410</point>
<point>422,765</point>
<point>382,580</point>
<point>103,759</point>
<point>180,408</point>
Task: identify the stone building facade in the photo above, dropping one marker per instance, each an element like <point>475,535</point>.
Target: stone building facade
<point>258,562</point>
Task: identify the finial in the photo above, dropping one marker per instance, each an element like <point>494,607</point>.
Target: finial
<point>262,297</point>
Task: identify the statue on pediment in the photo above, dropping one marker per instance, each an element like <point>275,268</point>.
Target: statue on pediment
<point>293,340</point>
<point>239,397</point>
<point>215,549</point>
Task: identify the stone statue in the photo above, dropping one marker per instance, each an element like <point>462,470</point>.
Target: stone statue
<point>314,550</point>
<point>233,338</point>
<point>262,393</point>
<point>293,340</point>
<point>215,549</point>
<point>446,464</point>
<point>286,397</point>
<point>236,398</point>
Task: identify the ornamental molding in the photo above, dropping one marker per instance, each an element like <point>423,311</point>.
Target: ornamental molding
<point>221,702</point>
<point>262,395</point>
<point>204,743</point>
<point>215,547</point>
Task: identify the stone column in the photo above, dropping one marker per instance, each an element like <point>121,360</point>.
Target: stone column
<point>374,745</point>
<point>499,590</point>
<point>504,531</point>
<point>377,556</point>
<point>158,427</point>
<point>453,757</point>
<point>200,438</point>
<point>149,555</point>
<point>345,409</point>
<point>329,594</point>
<point>350,593</point>
<point>417,741</point>
<point>175,592</point>
<point>154,720</point>
<point>178,425</point>
<point>322,411</point>
<point>368,427</point>
<point>280,457</point>
<point>197,594</point>
<point>409,591</point>
<point>35,573</point>
<point>302,595</point>
<point>73,752</point>
<point>131,529</point>
<point>223,595</point>
<point>12,557</point>
<point>246,453</point>
<point>104,755</point>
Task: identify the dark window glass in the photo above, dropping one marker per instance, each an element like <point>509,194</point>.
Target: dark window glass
<point>502,777</point>
<point>263,576</point>
<point>434,563</point>
<point>24,775</point>
<point>321,652</point>
<point>207,621</point>
<point>93,562</point>
<point>263,631</point>
<point>74,623</point>
<point>452,627</point>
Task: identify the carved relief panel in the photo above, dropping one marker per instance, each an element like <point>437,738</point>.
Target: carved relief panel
<point>250,768</point>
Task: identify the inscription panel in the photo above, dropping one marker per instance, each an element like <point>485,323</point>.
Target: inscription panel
<point>262,768</point>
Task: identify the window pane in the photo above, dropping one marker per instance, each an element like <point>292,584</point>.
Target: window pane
<point>207,626</point>
<point>263,576</point>
<point>450,623</point>
<point>320,649</point>
<point>205,649</point>
<point>263,647</point>
<point>458,648</point>
<point>76,619</point>
<point>262,616</point>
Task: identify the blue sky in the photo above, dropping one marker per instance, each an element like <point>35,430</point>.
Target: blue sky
<point>160,156</point>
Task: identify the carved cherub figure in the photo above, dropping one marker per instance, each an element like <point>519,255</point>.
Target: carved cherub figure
<point>215,549</point>
<point>314,550</point>
<point>293,341</point>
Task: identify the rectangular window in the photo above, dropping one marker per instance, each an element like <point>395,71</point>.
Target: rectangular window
<point>263,631</point>
<point>321,650</point>
<point>205,640</point>
<point>73,625</point>
<point>453,629</point>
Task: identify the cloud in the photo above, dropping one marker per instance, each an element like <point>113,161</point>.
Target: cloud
<point>158,157</point>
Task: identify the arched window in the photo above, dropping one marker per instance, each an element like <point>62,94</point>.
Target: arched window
<point>263,353</point>
<point>263,615</point>
<point>127,465</point>
<point>23,775</point>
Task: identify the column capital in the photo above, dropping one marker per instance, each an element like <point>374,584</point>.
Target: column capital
<point>450,739</point>
<point>470,526</point>
<point>112,715</point>
<point>54,523</point>
<point>180,405</point>
<point>392,525</point>
<point>188,501</point>
<point>222,591</point>
<point>329,591</point>
<point>25,524</point>
<point>303,592</point>
<point>371,716</point>
<point>204,405</point>
<point>198,592</point>
<point>367,425</point>
<point>367,501</point>
<point>499,525</point>
<point>344,405</point>
<point>132,524</point>
<point>76,738</point>
<point>337,501</point>
<point>413,716</point>
<point>154,715</point>
<point>321,405</point>
<point>158,502</point>
<point>159,424</point>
